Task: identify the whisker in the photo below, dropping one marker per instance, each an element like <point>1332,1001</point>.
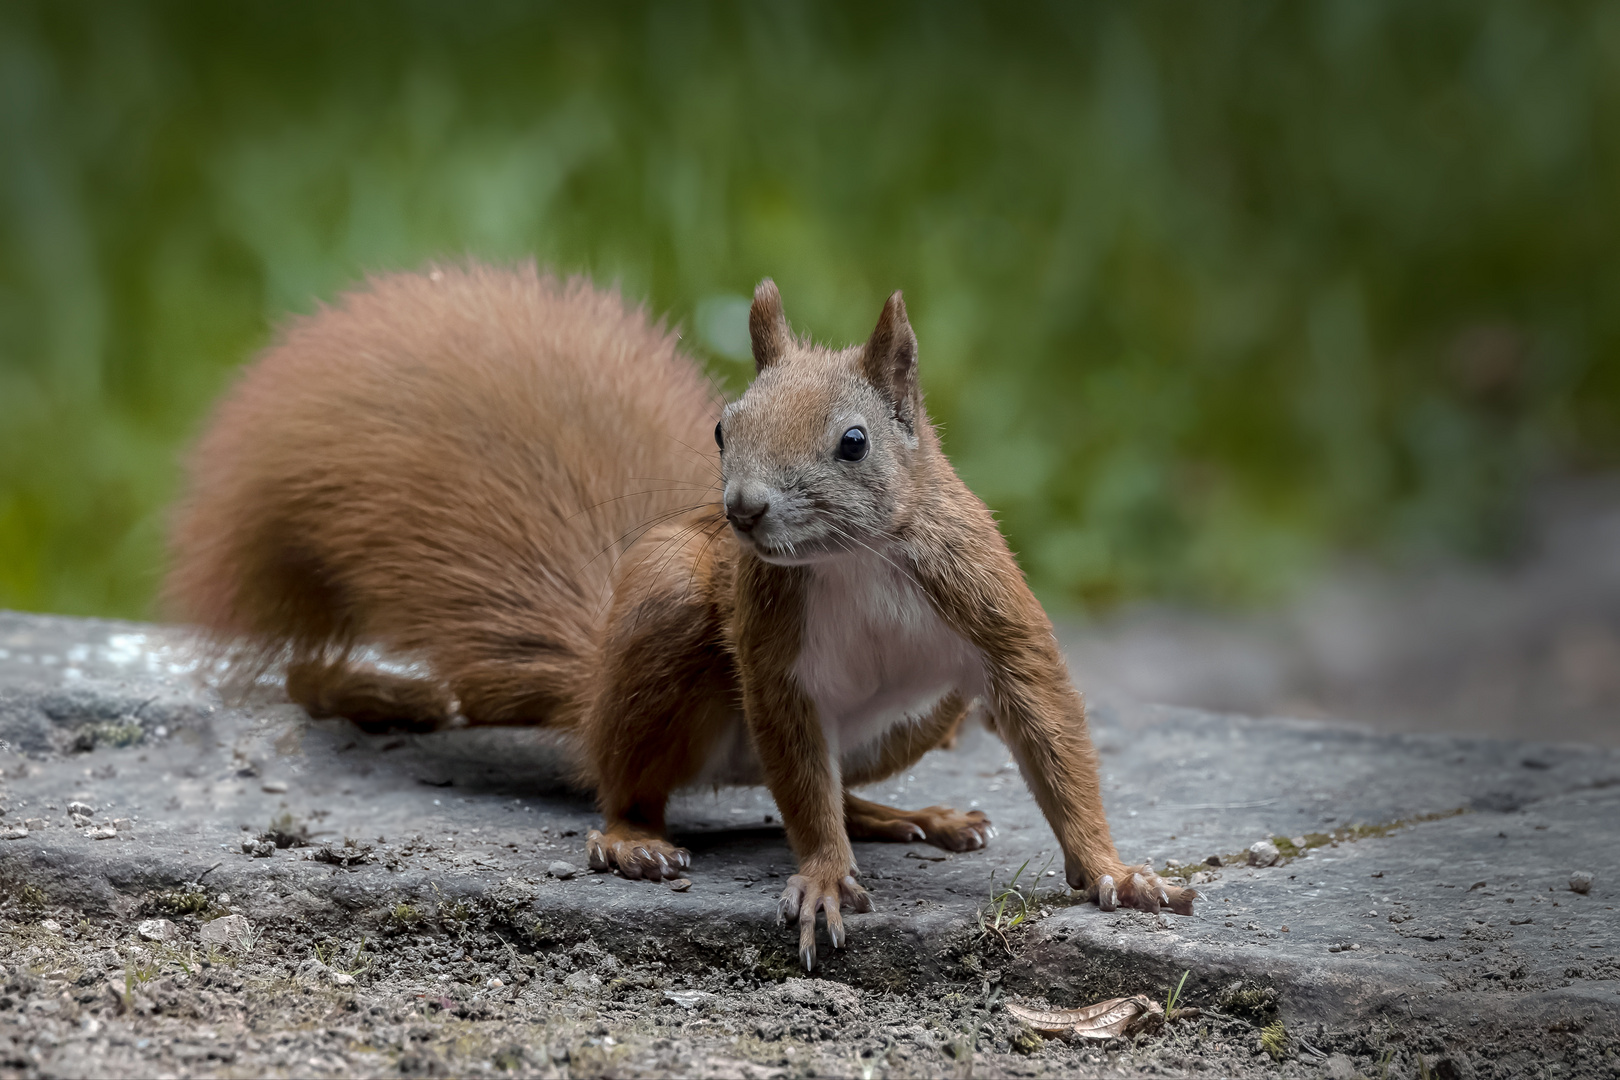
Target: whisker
<point>714,384</point>
<point>852,538</point>
<point>673,544</point>
<point>707,459</point>
<point>633,494</point>
<point>691,577</point>
<point>644,556</point>
<point>672,480</point>
<point>648,524</point>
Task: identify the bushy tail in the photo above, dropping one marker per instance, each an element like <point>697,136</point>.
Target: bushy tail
<point>446,466</point>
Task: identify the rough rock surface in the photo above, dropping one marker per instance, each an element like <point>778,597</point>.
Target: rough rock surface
<point>1421,906</point>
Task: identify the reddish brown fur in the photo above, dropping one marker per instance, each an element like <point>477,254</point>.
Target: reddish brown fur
<point>498,474</point>
<point>448,465</point>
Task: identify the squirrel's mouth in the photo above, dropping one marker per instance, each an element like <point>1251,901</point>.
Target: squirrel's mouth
<point>803,553</point>
<point>773,554</point>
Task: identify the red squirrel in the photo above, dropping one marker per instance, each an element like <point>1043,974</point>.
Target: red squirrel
<point>500,475</point>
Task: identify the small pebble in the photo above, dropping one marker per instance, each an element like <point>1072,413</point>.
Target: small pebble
<point>1213,860</point>
<point>1263,853</point>
<point>82,809</point>
<point>687,999</point>
<point>583,982</point>
<point>105,832</point>
<point>1338,1067</point>
<point>680,884</point>
<point>158,930</point>
<point>341,978</point>
<point>16,832</point>
<point>494,984</point>
<point>1580,882</point>
<point>274,787</point>
<point>562,871</point>
<point>232,930</point>
<point>51,925</point>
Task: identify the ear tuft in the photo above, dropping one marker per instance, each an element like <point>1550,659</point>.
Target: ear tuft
<point>890,360</point>
<point>767,326</point>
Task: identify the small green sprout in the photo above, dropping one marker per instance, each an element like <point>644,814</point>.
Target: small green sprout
<point>1274,1039</point>
<point>1175,996</point>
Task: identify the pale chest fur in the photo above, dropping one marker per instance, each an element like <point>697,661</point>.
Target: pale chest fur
<point>874,653</point>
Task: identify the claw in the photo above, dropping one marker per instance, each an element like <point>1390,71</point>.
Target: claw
<point>1145,900</point>
<point>807,936</point>
<point>1107,894</point>
<point>788,906</point>
<point>835,924</point>
<point>1164,897</point>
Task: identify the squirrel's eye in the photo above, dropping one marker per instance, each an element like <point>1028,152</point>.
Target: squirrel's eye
<point>719,439</point>
<point>852,447</point>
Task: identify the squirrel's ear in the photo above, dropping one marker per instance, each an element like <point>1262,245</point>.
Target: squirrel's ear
<point>767,326</point>
<point>890,360</point>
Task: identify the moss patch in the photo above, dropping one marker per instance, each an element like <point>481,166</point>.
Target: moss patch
<point>1290,848</point>
<point>1255,1004</point>
<point>111,733</point>
<point>186,900</point>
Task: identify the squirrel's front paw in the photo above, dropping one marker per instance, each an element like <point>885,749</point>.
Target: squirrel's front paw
<point>815,891</point>
<point>1140,888</point>
<point>636,854</point>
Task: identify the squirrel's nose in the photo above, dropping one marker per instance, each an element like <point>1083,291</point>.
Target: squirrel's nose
<point>745,507</point>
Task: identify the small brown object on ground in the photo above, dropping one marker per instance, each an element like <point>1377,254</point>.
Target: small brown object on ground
<point>1109,1019</point>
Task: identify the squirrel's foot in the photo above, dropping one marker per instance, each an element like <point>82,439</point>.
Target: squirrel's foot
<point>634,853</point>
<point>937,825</point>
<point>814,891</point>
<point>1140,888</point>
<point>375,701</point>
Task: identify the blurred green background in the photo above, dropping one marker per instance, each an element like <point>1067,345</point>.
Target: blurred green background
<point>1208,294</point>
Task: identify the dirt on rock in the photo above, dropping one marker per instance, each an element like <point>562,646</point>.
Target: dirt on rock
<point>463,995</point>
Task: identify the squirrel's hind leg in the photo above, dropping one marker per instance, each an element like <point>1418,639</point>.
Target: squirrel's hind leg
<point>899,749</point>
<point>941,826</point>
<point>373,700</point>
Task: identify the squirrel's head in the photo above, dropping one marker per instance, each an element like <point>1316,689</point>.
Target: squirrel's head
<point>820,456</point>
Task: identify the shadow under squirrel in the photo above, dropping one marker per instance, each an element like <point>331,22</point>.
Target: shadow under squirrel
<point>501,476</point>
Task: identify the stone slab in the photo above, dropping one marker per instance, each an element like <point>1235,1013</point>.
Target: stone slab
<point>1466,917</point>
